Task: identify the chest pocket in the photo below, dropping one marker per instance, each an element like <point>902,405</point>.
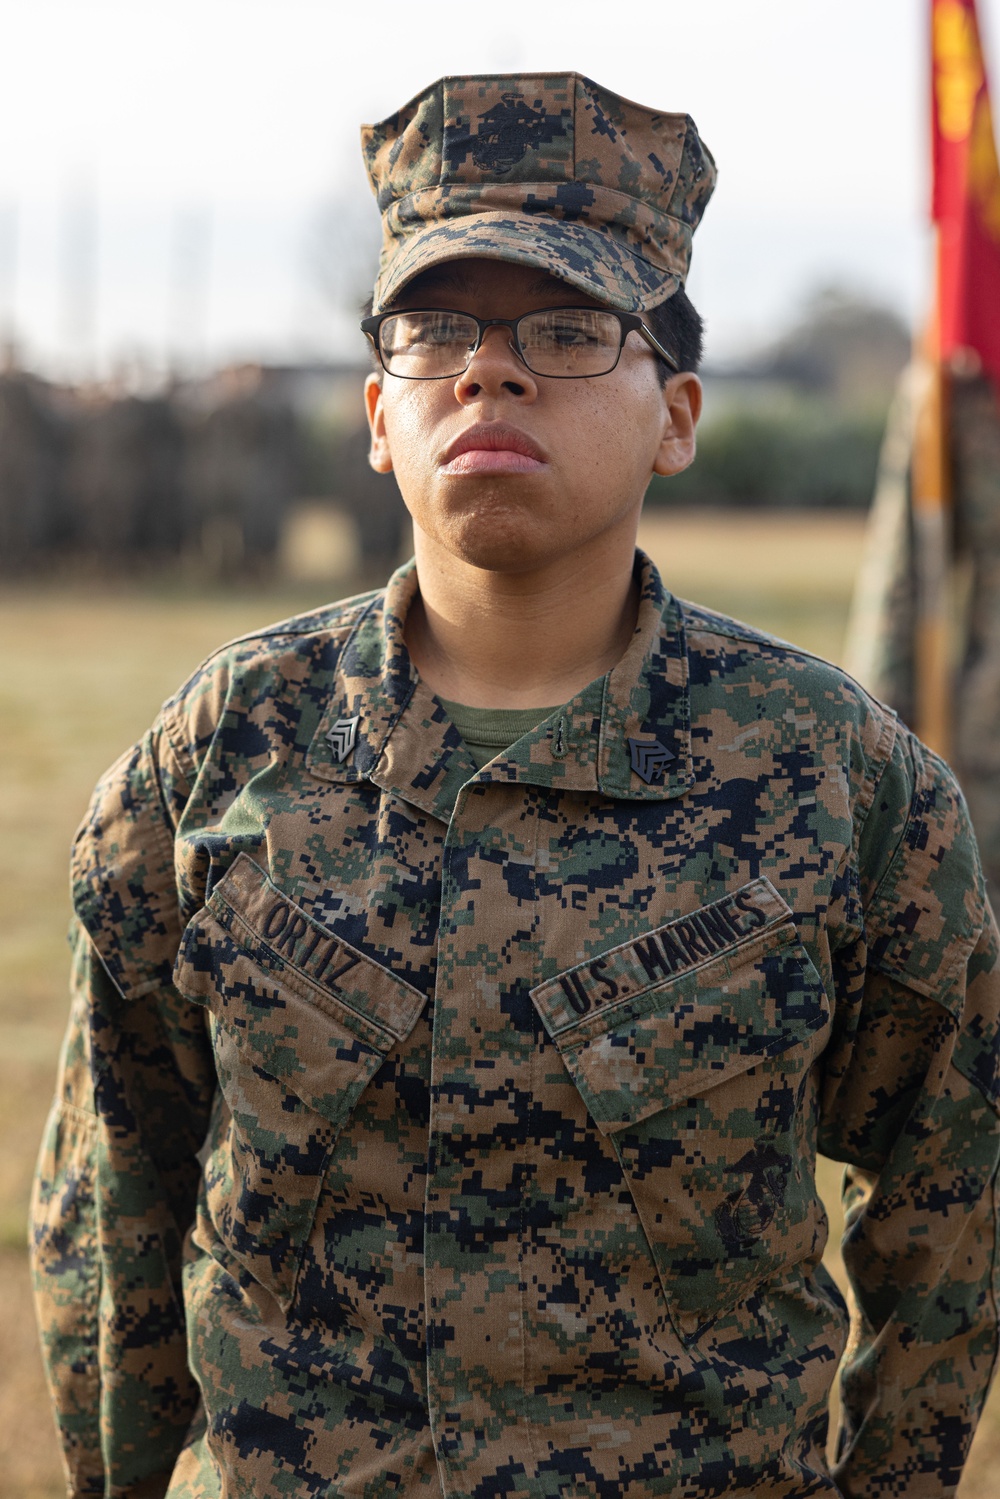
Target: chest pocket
<point>692,1048</point>
<point>301,1022</point>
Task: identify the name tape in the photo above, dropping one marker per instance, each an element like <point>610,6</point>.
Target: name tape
<point>266,922</point>
<point>324,958</point>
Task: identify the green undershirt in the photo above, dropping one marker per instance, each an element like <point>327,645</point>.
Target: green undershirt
<point>489,731</point>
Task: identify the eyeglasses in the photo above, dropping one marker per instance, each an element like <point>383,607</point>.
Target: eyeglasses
<point>562,343</point>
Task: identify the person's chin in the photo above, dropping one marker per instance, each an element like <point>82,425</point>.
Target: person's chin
<point>499,537</point>
<point>503,553</point>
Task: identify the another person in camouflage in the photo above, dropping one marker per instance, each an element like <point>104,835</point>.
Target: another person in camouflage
<point>467,974</point>
<point>975,441</point>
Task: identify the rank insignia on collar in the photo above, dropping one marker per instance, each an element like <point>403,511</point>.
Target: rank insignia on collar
<point>649,758</point>
<point>343,737</point>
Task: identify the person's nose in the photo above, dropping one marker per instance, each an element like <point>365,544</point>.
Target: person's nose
<point>495,367</point>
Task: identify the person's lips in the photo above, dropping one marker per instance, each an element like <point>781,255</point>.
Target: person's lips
<point>492,448</point>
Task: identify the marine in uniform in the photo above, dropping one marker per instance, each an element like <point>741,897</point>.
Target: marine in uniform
<point>449,1057</point>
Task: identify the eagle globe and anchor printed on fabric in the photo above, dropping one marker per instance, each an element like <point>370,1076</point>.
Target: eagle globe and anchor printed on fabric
<point>550,170</point>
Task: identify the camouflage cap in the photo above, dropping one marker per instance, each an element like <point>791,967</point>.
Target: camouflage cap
<point>549,170</point>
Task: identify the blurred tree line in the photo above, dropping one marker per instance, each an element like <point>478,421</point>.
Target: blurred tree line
<point>801,423</point>
<point>206,474</point>
<point>203,475</point>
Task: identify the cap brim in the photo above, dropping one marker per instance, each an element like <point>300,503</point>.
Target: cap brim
<point>595,262</point>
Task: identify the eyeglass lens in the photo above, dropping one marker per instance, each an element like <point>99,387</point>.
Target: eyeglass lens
<point>562,341</point>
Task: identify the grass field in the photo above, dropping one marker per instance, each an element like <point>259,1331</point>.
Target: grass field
<point>85,670</point>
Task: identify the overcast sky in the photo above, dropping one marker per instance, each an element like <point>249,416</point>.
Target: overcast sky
<point>184,176</point>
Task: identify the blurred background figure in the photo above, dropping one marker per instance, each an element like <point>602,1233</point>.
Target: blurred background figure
<point>31,451</point>
<point>241,471</point>
<point>975,428</point>
<point>123,480</point>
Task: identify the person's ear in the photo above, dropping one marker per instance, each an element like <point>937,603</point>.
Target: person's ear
<point>682,397</point>
<point>378,453</point>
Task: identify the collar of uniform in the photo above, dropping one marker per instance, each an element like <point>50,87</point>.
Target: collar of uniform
<point>648,696</point>
<point>406,742</point>
<point>644,697</point>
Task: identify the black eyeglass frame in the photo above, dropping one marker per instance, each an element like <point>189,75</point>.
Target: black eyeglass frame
<point>627,321</point>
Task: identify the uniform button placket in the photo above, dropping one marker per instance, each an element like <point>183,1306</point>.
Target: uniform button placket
<point>481,1062</point>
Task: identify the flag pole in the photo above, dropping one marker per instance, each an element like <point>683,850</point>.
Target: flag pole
<point>932,538</point>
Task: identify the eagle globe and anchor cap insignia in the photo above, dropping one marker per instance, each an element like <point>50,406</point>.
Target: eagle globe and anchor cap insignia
<point>505,132</point>
<point>343,737</point>
<point>649,758</point>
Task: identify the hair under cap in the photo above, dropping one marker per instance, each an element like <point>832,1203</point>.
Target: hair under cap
<point>549,170</point>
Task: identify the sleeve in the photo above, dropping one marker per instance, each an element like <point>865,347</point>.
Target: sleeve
<point>914,1115</point>
<point>117,1180</point>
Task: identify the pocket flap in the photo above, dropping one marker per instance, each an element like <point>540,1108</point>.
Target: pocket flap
<point>681,1009</point>
<point>307,1007</point>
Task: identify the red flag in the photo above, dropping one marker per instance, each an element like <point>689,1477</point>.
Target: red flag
<point>966,188</point>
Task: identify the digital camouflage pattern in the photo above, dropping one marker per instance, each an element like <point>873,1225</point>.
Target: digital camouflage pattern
<point>426,1131</point>
<point>550,170</point>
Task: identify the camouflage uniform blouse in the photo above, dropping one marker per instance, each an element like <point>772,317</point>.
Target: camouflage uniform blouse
<point>422,1131</point>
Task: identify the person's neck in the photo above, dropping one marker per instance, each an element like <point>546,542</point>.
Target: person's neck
<point>520,639</point>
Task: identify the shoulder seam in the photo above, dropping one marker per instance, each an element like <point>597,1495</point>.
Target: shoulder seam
<point>171,733</point>
<point>887,720</point>
<point>290,630</point>
<point>310,625</point>
<point>753,636</point>
<point>881,754</point>
<point>739,630</point>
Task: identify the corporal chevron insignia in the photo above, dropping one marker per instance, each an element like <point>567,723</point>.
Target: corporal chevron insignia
<point>343,737</point>
<point>649,758</point>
